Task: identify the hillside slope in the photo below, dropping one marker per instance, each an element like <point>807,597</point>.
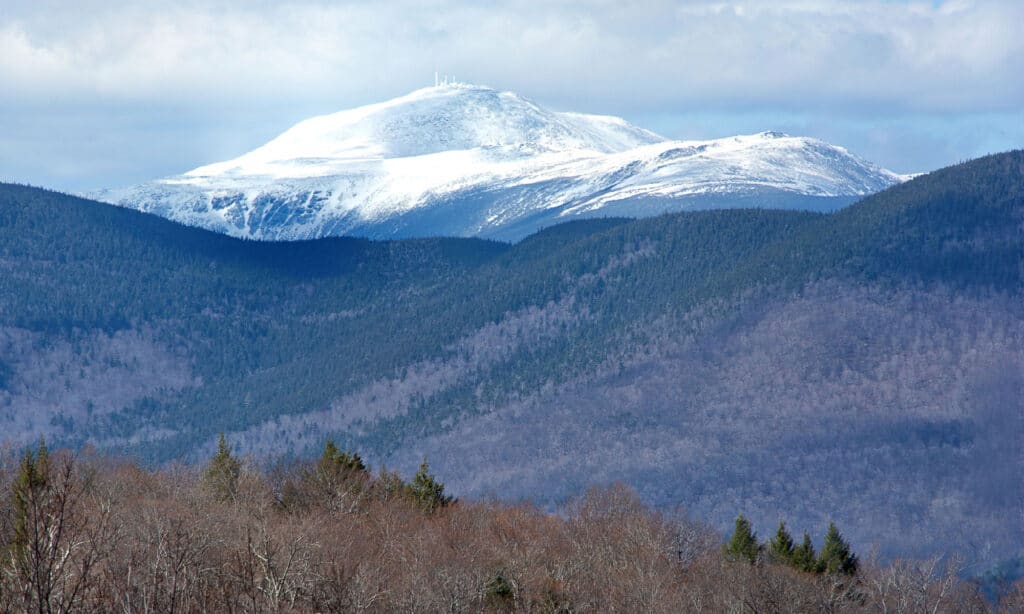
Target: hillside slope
<point>867,364</point>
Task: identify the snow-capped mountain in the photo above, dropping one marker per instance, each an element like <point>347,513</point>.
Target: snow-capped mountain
<point>468,160</point>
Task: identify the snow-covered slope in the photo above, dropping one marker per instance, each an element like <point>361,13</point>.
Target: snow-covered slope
<point>469,160</point>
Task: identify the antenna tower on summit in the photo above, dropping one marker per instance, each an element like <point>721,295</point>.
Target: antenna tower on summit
<point>444,79</point>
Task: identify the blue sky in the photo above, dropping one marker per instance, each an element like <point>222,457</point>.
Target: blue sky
<point>101,94</point>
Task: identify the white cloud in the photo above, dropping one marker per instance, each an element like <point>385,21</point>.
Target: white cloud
<point>97,93</point>
<point>955,55</point>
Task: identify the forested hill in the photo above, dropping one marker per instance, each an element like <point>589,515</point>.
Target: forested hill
<point>866,365</point>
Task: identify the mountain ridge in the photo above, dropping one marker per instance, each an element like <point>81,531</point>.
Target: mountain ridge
<point>467,160</point>
<point>721,360</point>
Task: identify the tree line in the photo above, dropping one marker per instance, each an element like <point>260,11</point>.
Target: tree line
<point>836,556</point>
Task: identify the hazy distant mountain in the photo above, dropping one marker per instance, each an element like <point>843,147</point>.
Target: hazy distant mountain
<point>466,160</point>
<point>865,366</point>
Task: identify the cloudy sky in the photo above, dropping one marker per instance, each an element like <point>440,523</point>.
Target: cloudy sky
<point>103,93</point>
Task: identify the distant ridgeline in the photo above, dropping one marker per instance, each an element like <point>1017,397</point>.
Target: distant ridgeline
<point>866,365</point>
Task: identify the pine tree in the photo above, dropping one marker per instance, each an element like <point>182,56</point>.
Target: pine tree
<point>54,546</point>
<point>426,491</point>
<point>743,543</point>
<point>32,479</point>
<point>781,545</point>
<point>222,473</point>
<point>389,485</point>
<point>836,557</point>
<point>803,557</point>
<point>340,477</point>
<point>335,463</point>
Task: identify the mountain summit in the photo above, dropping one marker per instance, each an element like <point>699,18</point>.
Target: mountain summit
<point>468,160</point>
<point>433,120</point>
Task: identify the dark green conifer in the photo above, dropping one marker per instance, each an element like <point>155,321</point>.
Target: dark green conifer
<point>389,485</point>
<point>33,476</point>
<point>222,474</point>
<point>335,463</point>
<point>781,545</point>
<point>803,557</point>
<point>836,556</point>
<point>743,543</point>
<point>339,477</point>
<point>426,491</point>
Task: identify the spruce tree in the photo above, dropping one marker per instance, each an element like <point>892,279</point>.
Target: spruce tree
<point>340,477</point>
<point>222,474</point>
<point>335,463</point>
<point>743,543</point>
<point>781,545</point>
<point>803,557</point>
<point>389,485</point>
<point>33,477</point>
<point>836,556</point>
<point>426,491</point>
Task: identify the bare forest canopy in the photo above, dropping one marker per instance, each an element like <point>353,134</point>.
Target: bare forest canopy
<point>95,534</point>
